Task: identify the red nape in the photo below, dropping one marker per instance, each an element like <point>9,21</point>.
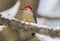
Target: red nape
<point>28,7</point>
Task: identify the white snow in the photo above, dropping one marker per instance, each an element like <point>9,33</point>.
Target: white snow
<point>57,28</point>
<point>27,23</point>
<point>49,23</point>
<point>11,12</point>
<point>37,25</point>
<point>22,21</point>
<point>46,37</point>
<point>41,20</point>
<point>1,27</point>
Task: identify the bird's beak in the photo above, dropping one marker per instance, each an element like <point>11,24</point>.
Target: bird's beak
<point>21,9</point>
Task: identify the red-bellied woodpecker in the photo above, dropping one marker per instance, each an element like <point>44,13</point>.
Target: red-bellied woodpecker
<point>28,15</point>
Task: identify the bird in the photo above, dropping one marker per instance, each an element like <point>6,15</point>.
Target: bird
<point>28,15</point>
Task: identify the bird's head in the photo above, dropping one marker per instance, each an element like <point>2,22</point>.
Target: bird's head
<point>27,8</point>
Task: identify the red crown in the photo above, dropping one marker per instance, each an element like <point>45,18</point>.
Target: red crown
<point>28,7</point>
